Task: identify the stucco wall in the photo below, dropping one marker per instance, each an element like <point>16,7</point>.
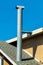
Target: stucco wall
<point>6,63</point>
<point>34,46</point>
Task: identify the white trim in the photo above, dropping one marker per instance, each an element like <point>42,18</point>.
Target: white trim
<point>11,40</point>
<point>30,55</point>
<point>37,31</point>
<point>8,57</point>
<point>15,39</point>
<point>34,32</point>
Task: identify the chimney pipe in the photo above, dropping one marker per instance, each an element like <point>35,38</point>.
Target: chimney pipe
<point>19,33</point>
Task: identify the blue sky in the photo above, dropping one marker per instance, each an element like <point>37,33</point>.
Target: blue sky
<point>32,17</point>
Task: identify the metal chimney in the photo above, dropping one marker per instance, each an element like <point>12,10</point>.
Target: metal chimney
<point>19,32</point>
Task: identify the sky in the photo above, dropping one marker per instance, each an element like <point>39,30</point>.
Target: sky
<point>32,17</point>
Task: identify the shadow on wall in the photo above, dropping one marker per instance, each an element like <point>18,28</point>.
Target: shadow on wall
<point>33,42</point>
<point>14,43</point>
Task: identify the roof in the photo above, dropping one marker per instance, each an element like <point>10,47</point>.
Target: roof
<point>9,51</point>
<point>33,33</point>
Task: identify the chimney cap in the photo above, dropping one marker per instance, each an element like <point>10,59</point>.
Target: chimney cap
<point>19,7</point>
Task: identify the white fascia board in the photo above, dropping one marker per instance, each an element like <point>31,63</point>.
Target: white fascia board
<point>8,57</point>
<point>15,39</point>
<point>34,32</point>
<point>12,40</point>
<point>37,31</point>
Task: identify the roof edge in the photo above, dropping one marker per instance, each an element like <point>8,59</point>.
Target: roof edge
<point>37,31</point>
<point>7,57</point>
<point>15,39</point>
<point>34,32</point>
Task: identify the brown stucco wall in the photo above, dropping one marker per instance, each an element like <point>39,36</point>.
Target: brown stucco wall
<point>34,46</point>
<point>6,63</point>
